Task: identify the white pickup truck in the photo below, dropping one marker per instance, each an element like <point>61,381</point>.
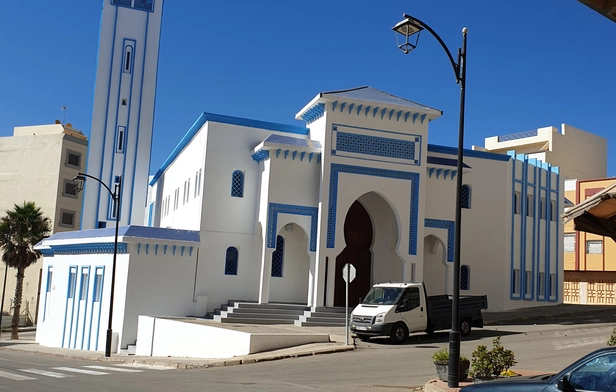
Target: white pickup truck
<point>397,309</point>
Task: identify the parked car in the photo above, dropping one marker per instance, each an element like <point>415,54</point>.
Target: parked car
<point>397,309</point>
<point>594,372</point>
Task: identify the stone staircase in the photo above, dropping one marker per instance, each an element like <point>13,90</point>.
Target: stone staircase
<point>243,312</point>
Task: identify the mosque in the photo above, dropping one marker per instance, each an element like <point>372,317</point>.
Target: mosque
<point>270,213</point>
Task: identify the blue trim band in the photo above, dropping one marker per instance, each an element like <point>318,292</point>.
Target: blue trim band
<point>468,153</point>
<point>450,226</point>
<point>272,221</point>
<point>242,122</point>
<point>368,171</point>
<point>94,248</point>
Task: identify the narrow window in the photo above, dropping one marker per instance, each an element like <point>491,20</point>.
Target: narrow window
<point>529,205</point>
<point>237,184</point>
<point>185,193</point>
<point>542,208</point>
<point>120,139</point>
<point>128,65</point>
<point>49,279</point>
<point>516,281</point>
<point>465,196</point>
<point>594,247</point>
<point>552,286</point>
<point>72,282</point>
<point>85,274</point>
<point>98,285</point>
<point>541,284</point>
<point>569,243</point>
<point>465,275</point>
<point>528,283</point>
<point>516,203</point>
<point>231,261</point>
<point>553,210</point>
<point>277,258</point>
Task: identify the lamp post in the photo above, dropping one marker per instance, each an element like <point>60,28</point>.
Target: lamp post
<point>407,28</point>
<point>78,182</point>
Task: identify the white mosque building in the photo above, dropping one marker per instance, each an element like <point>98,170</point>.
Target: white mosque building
<point>268,212</point>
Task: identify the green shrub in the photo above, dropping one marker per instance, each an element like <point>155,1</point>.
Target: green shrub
<point>612,340</point>
<point>442,355</point>
<point>489,363</point>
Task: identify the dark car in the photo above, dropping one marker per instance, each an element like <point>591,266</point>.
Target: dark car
<point>594,372</point>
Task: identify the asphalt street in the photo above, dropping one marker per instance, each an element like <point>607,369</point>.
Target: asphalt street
<point>375,366</point>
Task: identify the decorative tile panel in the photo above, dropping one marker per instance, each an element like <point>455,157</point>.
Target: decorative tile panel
<point>372,145</point>
<point>93,248</point>
<point>369,171</point>
<point>277,258</point>
<point>450,226</point>
<point>272,221</point>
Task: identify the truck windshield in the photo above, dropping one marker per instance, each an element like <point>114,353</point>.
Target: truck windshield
<point>383,296</point>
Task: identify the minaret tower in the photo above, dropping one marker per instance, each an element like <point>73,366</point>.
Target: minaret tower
<point>123,113</point>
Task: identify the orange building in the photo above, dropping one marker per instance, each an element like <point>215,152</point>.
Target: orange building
<point>589,259</point>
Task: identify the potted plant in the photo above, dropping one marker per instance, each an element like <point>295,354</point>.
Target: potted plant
<point>441,361</point>
<point>489,364</point>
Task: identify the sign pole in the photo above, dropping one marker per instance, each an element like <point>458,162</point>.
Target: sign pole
<point>346,319</point>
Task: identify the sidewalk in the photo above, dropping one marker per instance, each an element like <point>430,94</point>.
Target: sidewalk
<point>540,314</point>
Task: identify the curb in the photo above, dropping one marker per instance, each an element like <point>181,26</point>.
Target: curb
<point>188,364</point>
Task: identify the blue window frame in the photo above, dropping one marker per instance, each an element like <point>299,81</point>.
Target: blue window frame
<point>465,196</point>
<point>465,277</point>
<point>72,282</point>
<point>98,285</point>
<point>85,283</point>
<point>237,184</point>
<point>231,261</point>
<point>278,258</point>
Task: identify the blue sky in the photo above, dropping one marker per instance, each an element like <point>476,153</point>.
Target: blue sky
<point>530,63</point>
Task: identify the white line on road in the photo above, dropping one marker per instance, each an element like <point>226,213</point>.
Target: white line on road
<point>16,377</point>
<point>115,369</point>
<point>45,373</point>
<point>83,371</point>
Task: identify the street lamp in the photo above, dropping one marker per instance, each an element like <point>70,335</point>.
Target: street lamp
<point>407,28</point>
<point>78,182</point>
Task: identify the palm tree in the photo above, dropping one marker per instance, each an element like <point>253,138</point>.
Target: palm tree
<point>21,229</point>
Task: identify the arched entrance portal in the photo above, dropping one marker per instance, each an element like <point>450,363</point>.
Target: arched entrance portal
<point>358,238</point>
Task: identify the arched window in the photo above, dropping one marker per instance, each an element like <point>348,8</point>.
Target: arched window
<point>237,184</point>
<point>465,196</point>
<point>277,257</point>
<point>231,261</point>
<point>465,277</point>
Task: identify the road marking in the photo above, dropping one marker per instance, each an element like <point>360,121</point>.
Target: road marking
<point>83,371</point>
<point>115,369</point>
<point>45,373</point>
<point>16,377</point>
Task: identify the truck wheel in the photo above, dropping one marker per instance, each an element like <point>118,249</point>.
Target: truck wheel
<point>399,333</point>
<point>465,327</point>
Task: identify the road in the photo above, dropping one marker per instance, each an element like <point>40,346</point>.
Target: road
<point>375,366</point>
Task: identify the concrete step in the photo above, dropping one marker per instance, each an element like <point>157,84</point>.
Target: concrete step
<point>255,320</point>
<point>320,323</point>
<point>231,310</point>
<point>258,315</point>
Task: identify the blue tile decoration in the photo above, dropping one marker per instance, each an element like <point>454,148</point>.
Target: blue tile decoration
<point>373,145</point>
<point>122,3</point>
<point>93,248</point>
<point>272,221</point>
<point>144,5</point>
<point>260,155</point>
<point>277,258</point>
<point>450,226</point>
<point>369,171</point>
<point>231,261</point>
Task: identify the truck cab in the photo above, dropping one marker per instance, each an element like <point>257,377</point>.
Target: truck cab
<point>391,309</point>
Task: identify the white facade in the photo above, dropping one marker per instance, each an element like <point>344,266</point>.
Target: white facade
<point>577,153</point>
<point>38,165</point>
<point>281,209</point>
<point>123,112</point>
